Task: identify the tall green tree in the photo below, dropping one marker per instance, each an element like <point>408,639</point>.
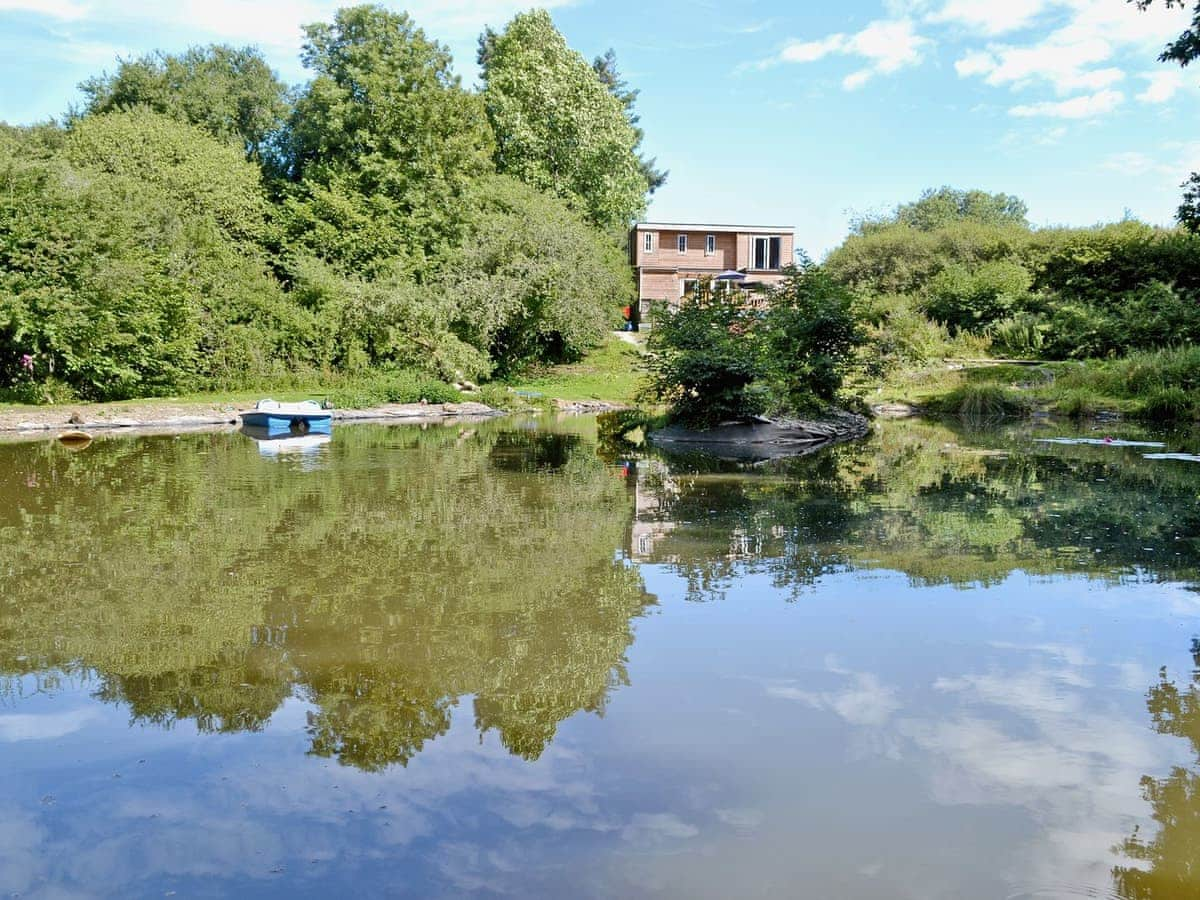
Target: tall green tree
<point>383,143</point>
<point>558,126</point>
<point>230,92</point>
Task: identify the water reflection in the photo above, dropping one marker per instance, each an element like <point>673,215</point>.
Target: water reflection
<point>1167,861</point>
<point>919,499</point>
<point>920,668</point>
<point>417,568</point>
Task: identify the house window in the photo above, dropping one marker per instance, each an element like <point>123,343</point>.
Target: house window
<point>648,242</point>
<point>683,243</point>
<point>687,287</point>
<point>710,245</point>
<point>766,252</point>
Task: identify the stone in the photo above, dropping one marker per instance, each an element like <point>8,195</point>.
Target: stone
<point>759,438</point>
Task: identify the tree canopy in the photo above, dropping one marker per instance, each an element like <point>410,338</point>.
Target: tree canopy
<point>559,127</point>
<point>230,92</point>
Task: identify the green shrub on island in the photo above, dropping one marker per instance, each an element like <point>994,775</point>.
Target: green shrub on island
<point>718,357</point>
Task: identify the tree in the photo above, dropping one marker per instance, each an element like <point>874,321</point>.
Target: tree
<point>810,339</point>
<point>1184,50</point>
<point>532,282</point>
<point>704,358</point>
<point>559,127</point>
<point>941,207</point>
<point>606,70</point>
<point>230,92</point>
<point>383,143</point>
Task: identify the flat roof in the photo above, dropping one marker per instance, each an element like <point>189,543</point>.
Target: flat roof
<point>686,226</point>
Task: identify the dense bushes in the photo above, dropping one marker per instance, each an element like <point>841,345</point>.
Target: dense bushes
<point>717,358</point>
<point>1063,293</point>
<point>192,228</point>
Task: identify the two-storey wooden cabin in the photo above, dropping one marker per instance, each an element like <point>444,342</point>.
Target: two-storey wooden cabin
<point>670,258</point>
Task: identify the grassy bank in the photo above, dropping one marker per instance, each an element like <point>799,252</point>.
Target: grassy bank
<point>609,373</point>
<point>1162,385</point>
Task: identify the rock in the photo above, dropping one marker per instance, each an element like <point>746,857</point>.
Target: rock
<point>894,411</point>
<point>75,419</point>
<point>761,438</point>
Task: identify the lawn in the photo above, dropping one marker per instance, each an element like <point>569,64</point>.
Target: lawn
<point>610,372</point>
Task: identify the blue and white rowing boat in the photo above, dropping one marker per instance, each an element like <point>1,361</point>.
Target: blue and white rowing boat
<point>306,417</point>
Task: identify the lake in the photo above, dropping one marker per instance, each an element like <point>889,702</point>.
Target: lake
<point>525,658</point>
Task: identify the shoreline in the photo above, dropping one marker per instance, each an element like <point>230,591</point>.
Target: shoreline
<point>40,423</point>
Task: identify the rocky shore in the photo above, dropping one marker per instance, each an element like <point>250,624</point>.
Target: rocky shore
<point>760,438</point>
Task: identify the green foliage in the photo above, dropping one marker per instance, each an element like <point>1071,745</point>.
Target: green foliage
<point>810,338</point>
<point>704,356</point>
<point>394,387</point>
<point>971,298</point>
<point>1066,293</point>
<point>120,289</point>
<point>558,125</point>
<point>178,160</point>
<point>981,402</point>
<point>229,92</point>
<point>717,357</point>
<point>945,207</point>
<point>383,143</point>
<point>193,228</point>
<point>532,281</point>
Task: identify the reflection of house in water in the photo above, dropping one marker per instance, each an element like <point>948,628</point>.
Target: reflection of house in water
<point>654,491</point>
<point>657,520</point>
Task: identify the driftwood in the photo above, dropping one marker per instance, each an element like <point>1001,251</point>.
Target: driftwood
<point>758,438</point>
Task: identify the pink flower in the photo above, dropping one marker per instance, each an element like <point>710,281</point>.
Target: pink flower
<point>27,362</point>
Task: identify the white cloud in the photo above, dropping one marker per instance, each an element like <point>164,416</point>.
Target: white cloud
<point>1131,163</point>
<point>55,9</point>
<point>1086,106</point>
<point>989,17</point>
<point>885,45</point>
<point>811,51</point>
<point>1162,86</point>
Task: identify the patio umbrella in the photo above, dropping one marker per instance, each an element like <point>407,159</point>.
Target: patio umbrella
<point>730,275</point>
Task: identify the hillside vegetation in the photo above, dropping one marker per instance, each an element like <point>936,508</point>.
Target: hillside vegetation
<point>197,225</point>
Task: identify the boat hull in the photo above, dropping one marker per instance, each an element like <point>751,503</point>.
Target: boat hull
<point>276,423</point>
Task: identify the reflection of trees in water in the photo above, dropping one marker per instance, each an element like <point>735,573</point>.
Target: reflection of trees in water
<point>913,499</point>
<point>1170,860</point>
<point>202,583</point>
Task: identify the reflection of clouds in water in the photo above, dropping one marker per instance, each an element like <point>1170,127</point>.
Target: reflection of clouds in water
<point>22,856</point>
<point>1028,733</point>
<point>864,701</point>
<point>287,819</point>
<point>45,726</point>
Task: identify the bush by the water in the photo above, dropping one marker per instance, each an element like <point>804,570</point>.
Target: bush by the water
<point>718,357</point>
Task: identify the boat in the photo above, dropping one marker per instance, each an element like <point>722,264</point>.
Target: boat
<point>306,417</point>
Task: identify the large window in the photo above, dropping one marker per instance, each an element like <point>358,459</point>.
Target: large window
<point>766,252</point>
<point>648,242</point>
<point>683,243</point>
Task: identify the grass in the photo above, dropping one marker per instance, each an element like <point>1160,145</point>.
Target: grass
<point>1159,385</point>
<point>609,373</point>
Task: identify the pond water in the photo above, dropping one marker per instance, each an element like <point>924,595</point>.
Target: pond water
<point>509,659</point>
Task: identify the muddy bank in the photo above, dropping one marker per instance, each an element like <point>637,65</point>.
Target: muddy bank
<point>163,418</point>
<point>759,438</point>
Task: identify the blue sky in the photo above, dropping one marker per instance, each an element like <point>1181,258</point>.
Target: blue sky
<point>773,112</point>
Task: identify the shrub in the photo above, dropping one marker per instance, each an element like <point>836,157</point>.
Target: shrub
<point>394,387</point>
<point>981,401</point>
<point>704,357</point>
<point>810,339</point>
<point>1169,404</point>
